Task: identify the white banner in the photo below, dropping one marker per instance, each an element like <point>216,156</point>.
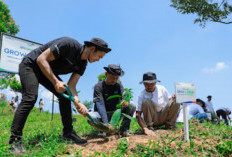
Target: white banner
<point>13,49</point>
<point>185,92</point>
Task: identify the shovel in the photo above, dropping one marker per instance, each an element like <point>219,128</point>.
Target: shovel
<point>107,128</point>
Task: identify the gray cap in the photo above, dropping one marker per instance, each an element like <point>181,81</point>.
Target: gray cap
<point>114,69</point>
<point>149,77</point>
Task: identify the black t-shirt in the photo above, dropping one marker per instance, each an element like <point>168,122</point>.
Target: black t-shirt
<point>102,91</point>
<point>67,52</point>
<point>222,113</point>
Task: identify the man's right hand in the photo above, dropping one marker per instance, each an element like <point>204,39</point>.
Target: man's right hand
<point>82,109</point>
<point>149,132</point>
<point>59,86</point>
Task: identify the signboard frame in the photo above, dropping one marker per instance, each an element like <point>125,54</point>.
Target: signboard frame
<point>185,92</point>
<point>7,69</point>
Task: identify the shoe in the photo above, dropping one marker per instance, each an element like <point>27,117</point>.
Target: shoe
<point>151,128</point>
<point>102,134</point>
<point>17,149</point>
<point>125,133</point>
<point>170,127</point>
<point>72,136</point>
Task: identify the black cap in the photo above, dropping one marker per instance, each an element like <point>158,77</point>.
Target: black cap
<point>114,70</point>
<point>98,42</point>
<point>209,96</point>
<point>149,77</point>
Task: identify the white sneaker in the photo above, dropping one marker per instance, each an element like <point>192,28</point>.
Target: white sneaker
<point>102,134</point>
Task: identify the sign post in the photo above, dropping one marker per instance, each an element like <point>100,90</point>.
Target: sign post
<point>185,93</point>
<point>186,127</point>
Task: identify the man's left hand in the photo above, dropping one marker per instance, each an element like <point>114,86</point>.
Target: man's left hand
<point>125,103</point>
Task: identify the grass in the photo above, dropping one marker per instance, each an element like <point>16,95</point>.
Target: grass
<point>42,137</point>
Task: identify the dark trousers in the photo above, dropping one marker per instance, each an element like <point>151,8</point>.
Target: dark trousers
<point>30,80</point>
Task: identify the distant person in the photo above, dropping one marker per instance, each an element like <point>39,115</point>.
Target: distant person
<point>224,113</point>
<point>43,66</point>
<point>109,87</point>
<point>12,104</point>
<point>41,104</point>
<point>210,108</point>
<point>194,111</point>
<point>201,103</point>
<point>156,104</point>
<point>2,97</point>
<point>16,104</point>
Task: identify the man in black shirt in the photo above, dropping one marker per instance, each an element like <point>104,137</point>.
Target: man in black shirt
<point>42,66</point>
<point>105,89</point>
<point>224,113</point>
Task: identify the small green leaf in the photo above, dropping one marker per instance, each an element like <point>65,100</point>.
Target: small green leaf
<point>115,118</point>
<point>118,105</point>
<point>129,117</point>
<point>114,96</point>
<point>173,140</point>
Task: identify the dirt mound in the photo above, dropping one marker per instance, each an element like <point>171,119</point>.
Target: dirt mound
<point>107,144</point>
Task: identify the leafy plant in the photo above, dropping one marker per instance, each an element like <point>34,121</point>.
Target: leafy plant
<point>126,96</point>
<point>207,10</point>
<point>7,23</point>
<point>118,116</point>
<point>10,80</point>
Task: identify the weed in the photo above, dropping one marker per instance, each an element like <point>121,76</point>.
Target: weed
<point>225,148</point>
<point>123,145</point>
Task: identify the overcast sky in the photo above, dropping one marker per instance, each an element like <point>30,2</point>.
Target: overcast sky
<point>144,36</point>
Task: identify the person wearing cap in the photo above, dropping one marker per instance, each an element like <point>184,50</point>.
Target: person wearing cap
<point>43,66</point>
<point>106,88</point>
<point>224,113</point>
<point>157,105</point>
<point>209,107</point>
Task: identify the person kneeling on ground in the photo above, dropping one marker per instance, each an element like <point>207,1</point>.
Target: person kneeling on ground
<point>210,109</point>
<point>157,105</point>
<point>43,66</point>
<point>224,113</point>
<point>109,87</point>
<point>194,111</point>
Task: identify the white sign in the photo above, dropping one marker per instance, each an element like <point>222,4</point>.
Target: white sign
<point>13,49</point>
<point>185,92</point>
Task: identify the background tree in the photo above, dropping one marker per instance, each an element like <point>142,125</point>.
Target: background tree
<point>7,23</point>
<point>207,10</point>
<point>101,77</point>
<point>88,104</point>
<point>10,80</point>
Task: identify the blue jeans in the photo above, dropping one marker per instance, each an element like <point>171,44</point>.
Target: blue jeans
<point>201,117</point>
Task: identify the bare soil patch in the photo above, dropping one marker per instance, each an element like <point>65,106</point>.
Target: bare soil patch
<point>107,144</point>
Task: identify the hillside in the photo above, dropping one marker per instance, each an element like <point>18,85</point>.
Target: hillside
<point>42,137</point>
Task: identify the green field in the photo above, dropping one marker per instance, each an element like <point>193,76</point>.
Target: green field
<point>42,137</point>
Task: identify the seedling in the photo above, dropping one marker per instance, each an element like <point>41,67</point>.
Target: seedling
<point>118,116</point>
